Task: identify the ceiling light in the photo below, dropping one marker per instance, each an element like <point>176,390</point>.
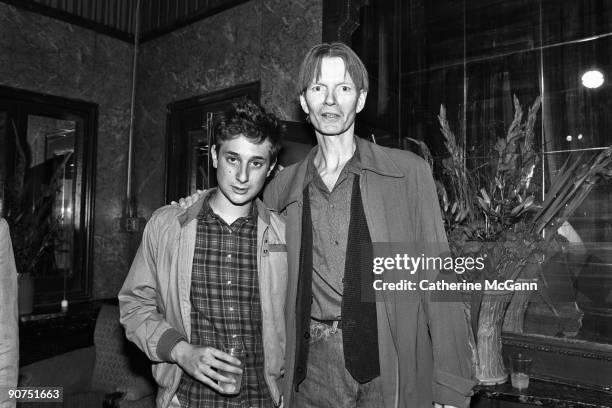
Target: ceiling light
<point>592,79</point>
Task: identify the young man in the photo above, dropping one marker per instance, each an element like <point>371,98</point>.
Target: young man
<point>345,195</point>
<point>214,276</point>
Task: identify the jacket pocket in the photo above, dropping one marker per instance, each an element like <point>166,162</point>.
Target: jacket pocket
<point>277,247</point>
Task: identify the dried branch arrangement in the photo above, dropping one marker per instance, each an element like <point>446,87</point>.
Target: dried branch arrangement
<point>494,208</point>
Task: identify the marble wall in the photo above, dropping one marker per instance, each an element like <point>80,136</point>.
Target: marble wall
<point>261,40</point>
<point>44,55</point>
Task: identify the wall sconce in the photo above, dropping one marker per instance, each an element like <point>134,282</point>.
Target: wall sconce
<point>592,79</point>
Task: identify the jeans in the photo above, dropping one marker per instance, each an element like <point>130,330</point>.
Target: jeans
<point>328,384</point>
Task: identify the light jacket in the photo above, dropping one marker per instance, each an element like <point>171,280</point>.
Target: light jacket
<point>424,347</point>
<point>9,329</point>
<point>154,300</point>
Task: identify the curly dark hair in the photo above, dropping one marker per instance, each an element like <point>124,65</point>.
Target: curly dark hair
<point>251,121</point>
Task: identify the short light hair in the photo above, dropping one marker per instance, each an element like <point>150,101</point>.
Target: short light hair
<point>311,65</point>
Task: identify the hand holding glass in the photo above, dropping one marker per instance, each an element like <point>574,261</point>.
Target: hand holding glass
<point>233,388</point>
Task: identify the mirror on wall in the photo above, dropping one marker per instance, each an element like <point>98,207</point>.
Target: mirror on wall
<point>47,189</point>
<point>51,145</point>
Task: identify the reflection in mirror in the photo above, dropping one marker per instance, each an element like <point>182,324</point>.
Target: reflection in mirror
<point>577,121</point>
<point>46,192</point>
<point>199,156</point>
<point>200,141</point>
<point>51,144</point>
<point>578,278</point>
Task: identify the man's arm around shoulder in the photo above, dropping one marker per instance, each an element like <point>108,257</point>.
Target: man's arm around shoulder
<point>279,183</point>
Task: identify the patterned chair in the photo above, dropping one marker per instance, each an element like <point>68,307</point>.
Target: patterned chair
<point>112,373</point>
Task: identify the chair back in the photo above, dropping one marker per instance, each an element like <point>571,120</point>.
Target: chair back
<point>120,365</point>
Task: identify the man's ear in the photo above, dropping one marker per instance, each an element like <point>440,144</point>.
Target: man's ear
<point>304,104</point>
<point>213,154</point>
<point>361,100</point>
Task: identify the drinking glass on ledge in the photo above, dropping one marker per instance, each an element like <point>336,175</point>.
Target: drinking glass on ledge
<point>520,366</point>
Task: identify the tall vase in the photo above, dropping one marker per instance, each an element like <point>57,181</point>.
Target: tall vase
<point>514,320</point>
<point>490,369</point>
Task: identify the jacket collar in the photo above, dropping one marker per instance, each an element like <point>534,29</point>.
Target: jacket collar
<point>377,160</point>
<point>191,212</point>
<point>371,156</point>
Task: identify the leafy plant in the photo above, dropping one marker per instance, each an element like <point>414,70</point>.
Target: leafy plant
<point>495,209</point>
<point>498,194</point>
<point>34,230</point>
<point>492,209</point>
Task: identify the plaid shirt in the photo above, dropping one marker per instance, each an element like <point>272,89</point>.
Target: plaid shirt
<point>225,306</point>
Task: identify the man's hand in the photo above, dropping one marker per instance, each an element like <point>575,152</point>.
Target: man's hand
<point>277,169</point>
<point>203,363</point>
<point>188,201</point>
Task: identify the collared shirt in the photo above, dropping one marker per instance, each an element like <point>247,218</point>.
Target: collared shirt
<point>225,307</point>
<point>331,213</point>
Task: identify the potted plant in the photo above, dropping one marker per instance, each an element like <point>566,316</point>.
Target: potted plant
<point>34,229</point>
<point>491,209</point>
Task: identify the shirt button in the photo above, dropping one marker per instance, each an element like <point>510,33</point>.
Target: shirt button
<point>306,335</point>
<point>229,256</point>
<point>231,309</point>
<point>229,282</point>
<point>336,242</point>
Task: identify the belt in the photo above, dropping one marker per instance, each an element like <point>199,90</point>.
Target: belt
<point>335,324</point>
